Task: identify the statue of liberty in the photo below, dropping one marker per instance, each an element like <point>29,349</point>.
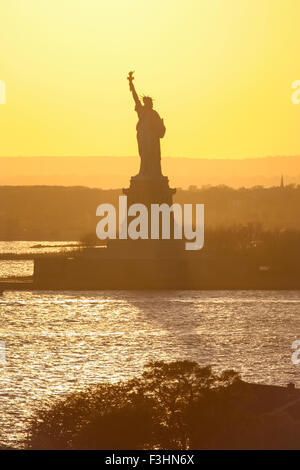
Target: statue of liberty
<point>150,129</point>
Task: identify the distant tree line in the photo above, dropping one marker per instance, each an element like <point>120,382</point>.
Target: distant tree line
<point>69,213</point>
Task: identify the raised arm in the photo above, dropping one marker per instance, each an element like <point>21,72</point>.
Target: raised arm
<point>130,78</point>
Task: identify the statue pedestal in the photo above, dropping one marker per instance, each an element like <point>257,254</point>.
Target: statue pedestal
<point>149,191</point>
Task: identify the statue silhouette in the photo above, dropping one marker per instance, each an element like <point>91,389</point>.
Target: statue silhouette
<point>150,129</point>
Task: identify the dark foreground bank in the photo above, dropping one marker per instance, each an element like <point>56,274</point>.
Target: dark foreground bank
<point>174,406</point>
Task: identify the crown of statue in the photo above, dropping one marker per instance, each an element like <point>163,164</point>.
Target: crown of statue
<point>146,98</point>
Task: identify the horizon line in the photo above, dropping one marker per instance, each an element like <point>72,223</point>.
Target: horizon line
<point>163,158</point>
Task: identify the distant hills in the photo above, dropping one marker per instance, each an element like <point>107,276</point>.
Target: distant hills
<point>115,172</point>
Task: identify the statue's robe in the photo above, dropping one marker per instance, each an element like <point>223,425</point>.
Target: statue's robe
<point>150,129</point>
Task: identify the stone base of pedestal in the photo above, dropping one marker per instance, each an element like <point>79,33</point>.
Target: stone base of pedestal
<point>146,249</point>
<point>84,273</point>
<point>149,191</point>
<point>124,264</point>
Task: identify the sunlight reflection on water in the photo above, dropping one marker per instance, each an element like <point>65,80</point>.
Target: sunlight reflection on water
<point>59,342</point>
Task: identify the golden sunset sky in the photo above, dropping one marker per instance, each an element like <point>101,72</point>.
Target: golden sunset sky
<point>220,71</point>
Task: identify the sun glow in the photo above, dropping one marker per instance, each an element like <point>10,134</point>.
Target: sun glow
<point>220,71</point>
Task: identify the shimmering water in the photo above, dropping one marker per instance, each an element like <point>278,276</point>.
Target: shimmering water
<point>11,269</point>
<point>59,342</point>
<point>14,268</point>
<point>34,247</point>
